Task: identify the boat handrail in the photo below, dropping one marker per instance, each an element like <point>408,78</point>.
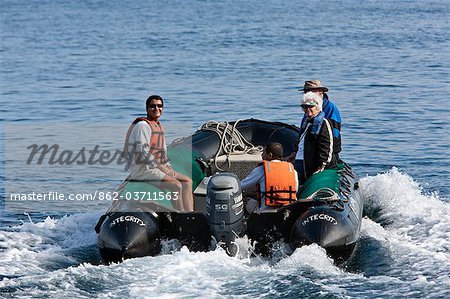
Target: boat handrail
<point>326,194</point>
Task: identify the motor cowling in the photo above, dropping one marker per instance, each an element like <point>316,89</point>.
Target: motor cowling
<point>225,209</point>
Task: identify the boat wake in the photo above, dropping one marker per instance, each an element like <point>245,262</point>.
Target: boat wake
<point>36,247</point>
<point>397,203</point>
<point>404,245</point>
<point>406,232</point>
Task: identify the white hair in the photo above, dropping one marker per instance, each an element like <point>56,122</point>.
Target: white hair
<point>313,97</point>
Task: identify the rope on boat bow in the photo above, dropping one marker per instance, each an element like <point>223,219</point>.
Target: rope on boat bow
<point>232,142</point>
<point>326,194</point>
<point>329,196</point>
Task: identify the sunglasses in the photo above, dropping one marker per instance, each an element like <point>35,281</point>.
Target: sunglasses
<point>154,106</point>
<point>307,106</point>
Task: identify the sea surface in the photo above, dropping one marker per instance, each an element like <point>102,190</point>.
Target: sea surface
<point>69,68</point>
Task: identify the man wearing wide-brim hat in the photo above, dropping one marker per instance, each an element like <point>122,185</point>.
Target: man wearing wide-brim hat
<point>313,85</point>
<point>330,110</point>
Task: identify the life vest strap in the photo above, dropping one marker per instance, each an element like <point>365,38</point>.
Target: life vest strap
<point>157,139</point>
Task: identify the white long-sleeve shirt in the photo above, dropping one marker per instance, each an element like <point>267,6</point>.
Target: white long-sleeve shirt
<point>300,155</point>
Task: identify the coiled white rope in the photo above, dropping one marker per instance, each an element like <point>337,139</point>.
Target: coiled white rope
<point>231,141</point>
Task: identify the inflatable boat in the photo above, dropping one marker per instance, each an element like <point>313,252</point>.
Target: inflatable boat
<point>328,211</point>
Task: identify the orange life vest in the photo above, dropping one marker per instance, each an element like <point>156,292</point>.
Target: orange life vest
<point>280,183</point>
<point>157,139</point>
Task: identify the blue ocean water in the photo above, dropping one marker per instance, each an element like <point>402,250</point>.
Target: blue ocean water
<point>86,63</point>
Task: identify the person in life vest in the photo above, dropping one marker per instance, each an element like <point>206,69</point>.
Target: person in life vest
<point>277,180</point>
<point>315,149</point>
<point>146,151</point>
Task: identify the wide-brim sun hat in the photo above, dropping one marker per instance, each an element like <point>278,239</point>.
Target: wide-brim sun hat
<point>313,85</point>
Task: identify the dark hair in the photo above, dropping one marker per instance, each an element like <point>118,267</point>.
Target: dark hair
<point>274,148</point>
<point>152,97</point>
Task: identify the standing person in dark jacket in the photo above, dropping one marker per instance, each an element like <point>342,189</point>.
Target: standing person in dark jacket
<point>315,151</point>
<point>330,110</point>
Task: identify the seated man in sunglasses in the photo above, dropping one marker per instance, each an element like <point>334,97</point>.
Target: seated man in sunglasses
<point>146,151</point>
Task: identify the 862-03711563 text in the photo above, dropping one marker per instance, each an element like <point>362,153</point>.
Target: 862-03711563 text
<point>97,195</point>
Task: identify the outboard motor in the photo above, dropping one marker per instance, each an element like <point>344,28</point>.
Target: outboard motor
<point>225,209</point>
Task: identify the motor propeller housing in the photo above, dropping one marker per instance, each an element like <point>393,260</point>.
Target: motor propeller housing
<point>225,209</point>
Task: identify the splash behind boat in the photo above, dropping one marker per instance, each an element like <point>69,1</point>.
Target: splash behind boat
<point>218,156</point>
